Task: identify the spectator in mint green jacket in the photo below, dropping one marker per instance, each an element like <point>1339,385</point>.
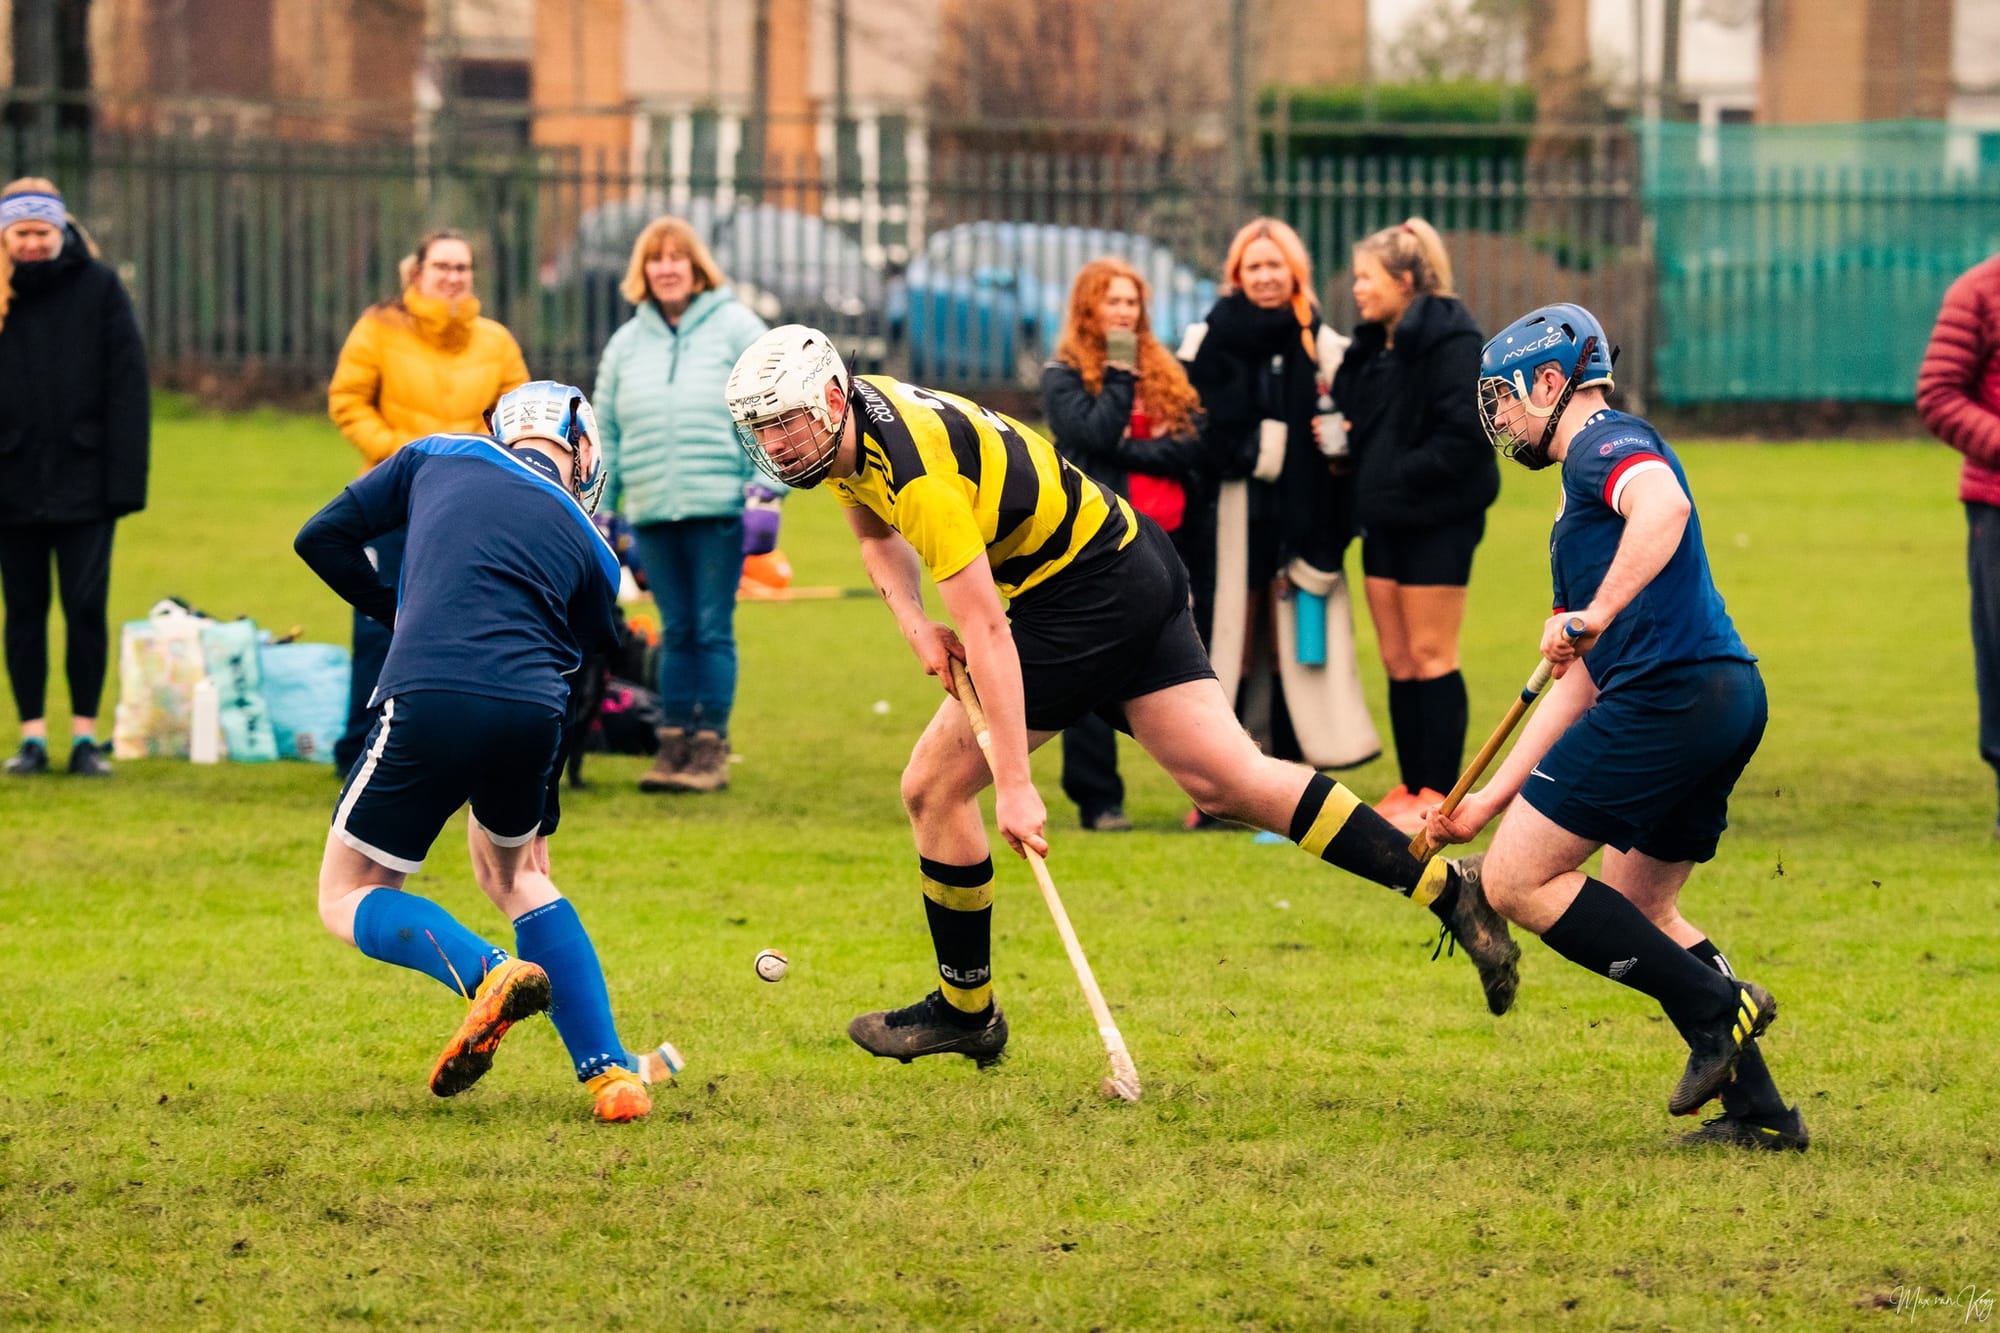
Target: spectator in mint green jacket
<point>680,478</point>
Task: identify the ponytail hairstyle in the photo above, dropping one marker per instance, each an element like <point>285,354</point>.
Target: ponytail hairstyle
<point>1297,259</point>
<point>410,264</point>
<point>1412,248</point>
<point>33,185</point>
<point>1163,385</point>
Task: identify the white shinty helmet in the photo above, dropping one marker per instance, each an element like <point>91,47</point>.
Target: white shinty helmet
<point>560,414</point>
<point>777,396</point>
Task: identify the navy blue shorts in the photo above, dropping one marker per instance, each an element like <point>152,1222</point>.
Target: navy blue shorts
<point>1650,765</point>
<point>429,753</point>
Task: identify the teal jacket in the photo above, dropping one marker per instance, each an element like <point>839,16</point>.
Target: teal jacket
<point>669,445</point>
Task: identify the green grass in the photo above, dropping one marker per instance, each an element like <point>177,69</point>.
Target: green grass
<point>213,1115</point>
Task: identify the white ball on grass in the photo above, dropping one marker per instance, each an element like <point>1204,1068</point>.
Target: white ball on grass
<point>772,965</point>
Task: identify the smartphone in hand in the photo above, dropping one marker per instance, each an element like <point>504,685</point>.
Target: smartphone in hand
<point>1121,348</point>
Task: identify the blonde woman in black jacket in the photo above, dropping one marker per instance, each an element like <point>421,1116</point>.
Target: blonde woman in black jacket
<point>1425,477</point>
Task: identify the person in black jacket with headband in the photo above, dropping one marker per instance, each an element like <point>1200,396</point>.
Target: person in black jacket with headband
<point>74,442</point>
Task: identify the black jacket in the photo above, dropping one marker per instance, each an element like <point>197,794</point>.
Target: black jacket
<point>75,429</point>
<point>1089,429</point>
<point>1413,419</point>
<point>1253,365</point>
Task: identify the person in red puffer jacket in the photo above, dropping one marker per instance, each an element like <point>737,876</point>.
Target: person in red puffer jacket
<point>1958,396</point>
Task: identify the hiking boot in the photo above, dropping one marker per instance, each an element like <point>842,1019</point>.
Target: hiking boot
<point>932,1027</point>
<point>708,763</point>
<point>30,759</point>
<point>669,770</point>
<point>1475,927</point>
<point>515,990</point>
<point>621,1096</point>
<point>1112,820</point>
<point>1715,1046</point>
<point>1785,1131</point>
<point>87,759</point>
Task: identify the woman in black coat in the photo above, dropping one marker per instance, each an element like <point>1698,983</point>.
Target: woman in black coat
<point>73,456</point>
<point>1284,517</point>
<point>1119,406</point>
<point>1426,475</point>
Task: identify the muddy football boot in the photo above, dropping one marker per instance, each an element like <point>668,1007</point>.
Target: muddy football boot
<point>511,992</point>
<point>1783,1132</point>
<point>1475,927</point>
<point>1715,1046</point>
<point>931,1027</point>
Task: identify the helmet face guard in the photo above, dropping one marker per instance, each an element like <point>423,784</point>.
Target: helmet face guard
<point>1563,335</point>
<point>794,448</point>
<point>778,396</point>
<point>1506,411</point>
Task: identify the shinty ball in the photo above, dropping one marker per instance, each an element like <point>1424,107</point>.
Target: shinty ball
<point>772,965</point>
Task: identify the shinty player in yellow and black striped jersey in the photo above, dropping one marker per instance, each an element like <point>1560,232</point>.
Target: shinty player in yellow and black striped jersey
<point>1097,620</point>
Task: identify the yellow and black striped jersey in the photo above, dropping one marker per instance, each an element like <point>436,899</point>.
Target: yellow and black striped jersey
<point>958,481</point>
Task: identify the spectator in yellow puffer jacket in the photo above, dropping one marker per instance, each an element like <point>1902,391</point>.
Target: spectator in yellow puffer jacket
<point>418,364</point>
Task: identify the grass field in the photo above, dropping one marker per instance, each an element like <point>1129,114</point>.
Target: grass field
<point>212,1115</point>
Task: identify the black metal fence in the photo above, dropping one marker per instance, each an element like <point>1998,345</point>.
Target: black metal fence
<point>256,258</point>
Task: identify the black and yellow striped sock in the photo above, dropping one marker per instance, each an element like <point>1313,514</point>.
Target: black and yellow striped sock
<point>1333,824</point>
<point>958,902</point>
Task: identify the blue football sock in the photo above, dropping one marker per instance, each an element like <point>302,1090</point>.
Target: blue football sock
<point>553,937</point>
<point>401,928</point>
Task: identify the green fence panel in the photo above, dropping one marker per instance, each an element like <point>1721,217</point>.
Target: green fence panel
<point>1807,262</point>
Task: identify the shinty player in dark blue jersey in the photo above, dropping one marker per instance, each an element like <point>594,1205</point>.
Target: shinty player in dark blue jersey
<point>1097,621</point>
<point>506,585</point>
<point>1657,708</point>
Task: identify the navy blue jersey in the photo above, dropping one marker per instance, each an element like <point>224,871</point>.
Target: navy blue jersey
<point>506,584</point>
<point>1679,616</point>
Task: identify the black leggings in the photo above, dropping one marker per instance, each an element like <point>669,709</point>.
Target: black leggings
<point>82,554</point>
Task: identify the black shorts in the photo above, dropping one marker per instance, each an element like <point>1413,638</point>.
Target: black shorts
<point>1091,638</point>
<point>1432,557</point>
<point>430,752</point>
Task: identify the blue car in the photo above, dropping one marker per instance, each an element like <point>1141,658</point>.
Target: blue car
<point>984,301</point>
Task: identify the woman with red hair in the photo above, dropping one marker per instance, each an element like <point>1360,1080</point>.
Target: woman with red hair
<point>1120,407</point>
<point>1282,640</point>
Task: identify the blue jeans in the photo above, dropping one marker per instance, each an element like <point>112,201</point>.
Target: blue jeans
<point>1982,566</point>
<point>693,568</point>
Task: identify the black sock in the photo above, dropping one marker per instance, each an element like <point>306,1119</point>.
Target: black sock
<point>1753,1091</point>
<point>1441,712</point>
<point>958,902</point>
<point>1405,726</point>
<point>1333,824</point>
<point>1604,933</point>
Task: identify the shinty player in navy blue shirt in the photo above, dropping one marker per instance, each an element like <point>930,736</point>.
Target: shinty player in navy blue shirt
<point>506,585</point>
<point>1656,709</point>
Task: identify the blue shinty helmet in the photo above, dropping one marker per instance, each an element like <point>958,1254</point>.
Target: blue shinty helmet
<point>1564,334</point>
<point>556,412</point>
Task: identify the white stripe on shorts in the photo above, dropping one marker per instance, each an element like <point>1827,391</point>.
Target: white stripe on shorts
<point>374,853</point>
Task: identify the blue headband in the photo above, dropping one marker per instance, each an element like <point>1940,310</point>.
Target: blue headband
<point>32,208</point>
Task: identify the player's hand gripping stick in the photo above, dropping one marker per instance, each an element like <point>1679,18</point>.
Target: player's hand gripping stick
<point>1420,846</point>
<point>1124,1080</point>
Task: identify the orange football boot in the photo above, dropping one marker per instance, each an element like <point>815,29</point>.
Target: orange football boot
<point>511,992</point>
<point>621,1096</point>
